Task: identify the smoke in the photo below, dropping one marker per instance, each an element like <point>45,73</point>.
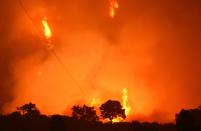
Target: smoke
<point>16,45</point>
<point>152,48</point>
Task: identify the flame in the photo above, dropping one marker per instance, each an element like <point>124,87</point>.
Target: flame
<point>124,99</point>
<point>46,29</point>
<point>116,120</point>
<point>93,102</point>
<point>113,7</point>
<point>125,106</point>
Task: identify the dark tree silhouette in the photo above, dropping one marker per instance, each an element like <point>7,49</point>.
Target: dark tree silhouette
<point>17,122</point>
<point>112,109</point>
<point>28,109</point>
<point>57,123</point>
<point>189,120</point>
<point>84,113</point>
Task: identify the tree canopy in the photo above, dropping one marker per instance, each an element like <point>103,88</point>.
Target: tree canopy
<point>28,109</point>
<point>84,113</point>
<point>112,109</point>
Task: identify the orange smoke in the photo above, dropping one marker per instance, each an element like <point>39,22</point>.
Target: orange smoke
<point>113,7</point>
<point>148,55</point>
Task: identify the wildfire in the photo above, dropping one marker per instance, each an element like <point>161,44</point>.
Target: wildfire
<point>116,120</point>
<point>46,29</point>
<point>93,102</point>
<point>113,7</point>
<point>125,106</point>
<point>124,99</point>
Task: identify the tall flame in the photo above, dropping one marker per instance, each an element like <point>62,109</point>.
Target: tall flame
<point>113,7</point>
<point>125,106</point>
<point>125,99</point>
<point>46,29</point>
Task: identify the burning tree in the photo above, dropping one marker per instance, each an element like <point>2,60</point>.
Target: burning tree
<point>112,109</point>
<point>84,113</point>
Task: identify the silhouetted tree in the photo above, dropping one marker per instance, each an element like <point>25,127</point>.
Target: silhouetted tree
<point>84,113</point>
<point>28,109</point>
<point>189,120</point>
<point>112,109</point>
<point>57,123</point>
<point>199,107</point>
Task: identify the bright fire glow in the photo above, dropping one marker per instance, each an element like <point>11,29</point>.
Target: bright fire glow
<point>46,28</point>
<point>39,73</point>
<point>113,7</point>
<point>116,120</point>
<point>93,102</point>
<point>125,106</point>
<point>124,99</point>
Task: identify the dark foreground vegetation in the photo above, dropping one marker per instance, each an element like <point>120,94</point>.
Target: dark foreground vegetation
<point>84,118</point>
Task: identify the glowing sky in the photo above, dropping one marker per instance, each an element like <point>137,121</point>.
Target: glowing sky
<point>152,48</point>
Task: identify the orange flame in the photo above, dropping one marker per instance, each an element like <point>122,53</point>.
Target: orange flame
<point>46,29</point>
<point>124,99</point>
<point>116,120</point>
<point>93,102</point>
<point>113,7</point>
<point>125,106</point>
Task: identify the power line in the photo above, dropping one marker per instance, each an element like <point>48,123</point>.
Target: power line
<point>52,50</point>
<point>30,18</point>
<point>66,70</point>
